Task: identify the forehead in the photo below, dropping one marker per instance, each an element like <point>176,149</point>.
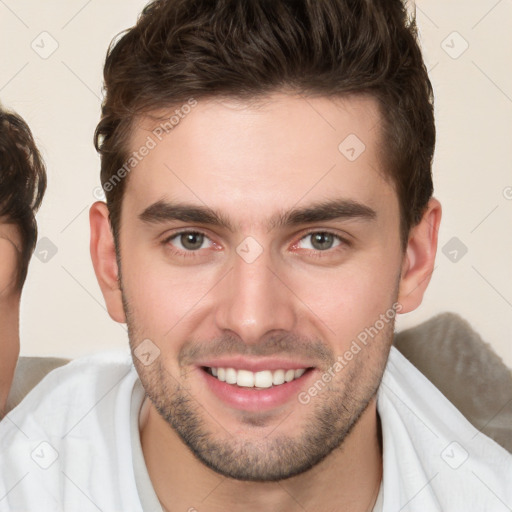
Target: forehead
<point>258,157</point>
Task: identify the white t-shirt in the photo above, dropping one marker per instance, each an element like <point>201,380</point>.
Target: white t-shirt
<point>73,445</point>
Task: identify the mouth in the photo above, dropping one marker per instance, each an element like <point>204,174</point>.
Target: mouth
<point>259,380</point>
<point>256,389</point>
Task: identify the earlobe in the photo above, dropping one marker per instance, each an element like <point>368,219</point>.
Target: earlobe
<point>103,254</point>
<point>419,258</point>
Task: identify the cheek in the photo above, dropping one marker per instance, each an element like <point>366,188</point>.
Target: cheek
<point>163,300</point>
<point>8,268</point>
<point>350,298</point>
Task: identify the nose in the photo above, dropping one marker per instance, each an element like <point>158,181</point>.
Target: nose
<point>255,299</point>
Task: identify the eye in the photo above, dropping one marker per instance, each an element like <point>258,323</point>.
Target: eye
<point>187,241</point>
<point>321,241</point>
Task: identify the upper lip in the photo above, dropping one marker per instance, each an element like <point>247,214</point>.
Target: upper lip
<point>255,365</point>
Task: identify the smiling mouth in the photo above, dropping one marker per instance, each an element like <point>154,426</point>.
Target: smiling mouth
<point>258,380</point>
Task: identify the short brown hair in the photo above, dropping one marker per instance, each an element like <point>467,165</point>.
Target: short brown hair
<point>182,49</point>
<point>22,183</point>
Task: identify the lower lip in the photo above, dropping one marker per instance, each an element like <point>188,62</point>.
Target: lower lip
<point>256,399</point>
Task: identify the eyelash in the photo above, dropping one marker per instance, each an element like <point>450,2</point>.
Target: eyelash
<point>314,253</point>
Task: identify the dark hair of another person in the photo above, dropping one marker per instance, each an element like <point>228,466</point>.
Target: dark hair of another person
<point>22,184</point>
<point>246,49</point>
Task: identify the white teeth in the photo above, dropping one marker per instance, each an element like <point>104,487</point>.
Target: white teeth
<point>231,376</point>
<point>278,377</point>
<point>289,375</point>
<point>245,379</point>
<point>262,379</point>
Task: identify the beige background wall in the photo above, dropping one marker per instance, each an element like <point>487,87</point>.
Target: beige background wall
<point>468,48</point>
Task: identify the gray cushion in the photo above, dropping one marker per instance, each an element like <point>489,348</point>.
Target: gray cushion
<point>29,372</point>
<point>467,371</point>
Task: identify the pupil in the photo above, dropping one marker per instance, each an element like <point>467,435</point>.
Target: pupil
<point>192,240</point>
<point>322,240</point>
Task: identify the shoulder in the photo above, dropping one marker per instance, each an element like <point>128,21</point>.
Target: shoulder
<point>71,430</point>
<point>69,389</point>
<point>428,444</point>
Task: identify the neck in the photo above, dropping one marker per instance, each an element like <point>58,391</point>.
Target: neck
<point>182,482</point>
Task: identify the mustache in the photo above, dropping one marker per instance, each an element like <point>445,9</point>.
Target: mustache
<point>276,344</point>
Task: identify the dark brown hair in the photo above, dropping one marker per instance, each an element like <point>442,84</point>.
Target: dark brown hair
<point>22,183</point>
<point>182,49</point>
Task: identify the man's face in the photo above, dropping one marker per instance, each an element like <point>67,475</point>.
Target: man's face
<point>10,244</point>
<point>261,295</point>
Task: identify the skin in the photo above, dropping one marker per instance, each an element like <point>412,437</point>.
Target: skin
<point>296,300</point>
<point>10,245</point>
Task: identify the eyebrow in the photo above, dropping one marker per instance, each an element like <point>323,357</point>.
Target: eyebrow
<point>334,209</point>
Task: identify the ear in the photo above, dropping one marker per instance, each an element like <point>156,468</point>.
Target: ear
<point>418,262</point>
<point>103,254</point>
